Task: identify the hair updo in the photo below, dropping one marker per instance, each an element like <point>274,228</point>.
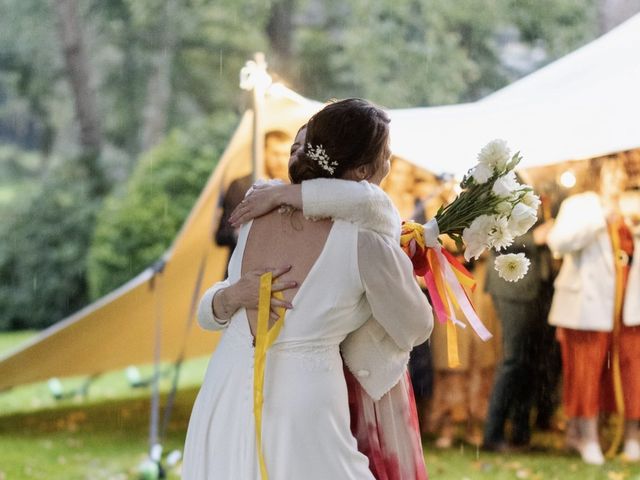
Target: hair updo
<point>352,132</point>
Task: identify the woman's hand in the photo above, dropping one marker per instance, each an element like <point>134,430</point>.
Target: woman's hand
<point>264,198</point>
<point>246,291</point>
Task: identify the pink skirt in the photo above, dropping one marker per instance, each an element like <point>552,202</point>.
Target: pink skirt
<point>387,431</point>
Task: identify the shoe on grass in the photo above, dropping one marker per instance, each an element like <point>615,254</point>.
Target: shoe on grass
<point>591,453</point>
<point>631,451</point>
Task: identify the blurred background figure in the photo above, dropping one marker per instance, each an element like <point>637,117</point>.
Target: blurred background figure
<point>399,185</point>
<point>276,158</point>
<point>522,310</point>
<point>596,306</point>
<point>459,396</point>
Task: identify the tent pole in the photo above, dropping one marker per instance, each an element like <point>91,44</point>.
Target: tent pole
<point>254,78</point>
<point>156,286</point>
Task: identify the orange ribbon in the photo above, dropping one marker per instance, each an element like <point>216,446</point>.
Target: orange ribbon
<point>446,280</point>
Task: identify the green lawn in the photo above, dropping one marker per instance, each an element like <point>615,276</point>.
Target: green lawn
<point>105,437</point>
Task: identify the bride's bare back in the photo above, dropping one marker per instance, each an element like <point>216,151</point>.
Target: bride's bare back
<point>283,239</point>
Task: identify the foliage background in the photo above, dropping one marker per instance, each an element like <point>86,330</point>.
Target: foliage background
<point>78,217</point>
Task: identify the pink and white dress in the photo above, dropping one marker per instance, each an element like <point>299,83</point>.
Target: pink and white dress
<point>387,430</point>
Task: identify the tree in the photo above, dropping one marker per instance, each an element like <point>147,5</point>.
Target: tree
<point>42,255</point>
<point>613,12</point>
<point>136,226</point>
<point>155,115</point>
<point>28,75</point>
<point>78,73</point>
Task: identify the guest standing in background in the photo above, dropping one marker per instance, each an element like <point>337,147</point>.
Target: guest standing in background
<point>522,316</point>
<point>459,396</point>
<point>276,158</point>
<point>596,307</point>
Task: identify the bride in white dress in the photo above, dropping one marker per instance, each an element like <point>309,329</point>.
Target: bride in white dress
<point>344,274</point>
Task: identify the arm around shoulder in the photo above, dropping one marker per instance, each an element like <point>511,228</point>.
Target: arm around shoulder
<point>362,203</point>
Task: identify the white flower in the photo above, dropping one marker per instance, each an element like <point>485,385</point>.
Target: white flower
<point>512,267</point>
<point>506,185</point>
<point>500,235</point>
<point>481,173</point>
<point>530,199</point>
<point>522,219</point>
<point>319,155</point>
<point>504,208</point>
<point>476,236</point>
<point>495,154</point>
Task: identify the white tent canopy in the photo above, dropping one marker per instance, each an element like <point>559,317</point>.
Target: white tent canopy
<point>583,105</point>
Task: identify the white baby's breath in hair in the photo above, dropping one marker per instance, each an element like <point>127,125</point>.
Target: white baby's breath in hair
<point>512,267</point>
<point>319,155</point>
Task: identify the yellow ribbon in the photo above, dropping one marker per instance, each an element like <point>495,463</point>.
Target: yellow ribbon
<point>617,321</point>
<point>453,356</point>
<point>449,279</point>
<point>265,337</point>
<point>412,231</point>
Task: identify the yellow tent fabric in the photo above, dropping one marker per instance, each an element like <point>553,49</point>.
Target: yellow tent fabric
<point>120,329</point>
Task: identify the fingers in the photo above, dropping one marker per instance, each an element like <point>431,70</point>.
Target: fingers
<point>281,286</point>
<point>237,214</point>
<point>242,214</point>
<point>277,303</point>
<point>280,271</point>
<point>276,272</point>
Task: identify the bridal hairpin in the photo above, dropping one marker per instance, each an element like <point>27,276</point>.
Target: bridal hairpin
<point>319,155</point>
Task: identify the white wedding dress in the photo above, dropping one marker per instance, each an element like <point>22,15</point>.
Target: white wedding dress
<point>305,427</point>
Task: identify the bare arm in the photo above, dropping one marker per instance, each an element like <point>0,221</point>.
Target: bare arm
<point>265,197</point>
<point>359,202</point>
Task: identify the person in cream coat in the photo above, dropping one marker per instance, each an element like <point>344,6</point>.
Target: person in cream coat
<point>596,306</point>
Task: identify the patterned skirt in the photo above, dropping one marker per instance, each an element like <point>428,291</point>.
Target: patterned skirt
<point>387,431</point>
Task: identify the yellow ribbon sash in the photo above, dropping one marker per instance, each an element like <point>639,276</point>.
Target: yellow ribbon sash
<point>618,393</point>
<point>265,337</point>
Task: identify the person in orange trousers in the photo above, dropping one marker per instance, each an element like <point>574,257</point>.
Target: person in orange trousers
<point>597,309</point>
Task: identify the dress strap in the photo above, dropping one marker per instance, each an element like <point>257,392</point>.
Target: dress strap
<point>235,264</point>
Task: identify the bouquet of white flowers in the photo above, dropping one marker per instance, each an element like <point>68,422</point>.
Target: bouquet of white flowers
<point>492,209</point>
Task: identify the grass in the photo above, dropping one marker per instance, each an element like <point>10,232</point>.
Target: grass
<point>104,436</point>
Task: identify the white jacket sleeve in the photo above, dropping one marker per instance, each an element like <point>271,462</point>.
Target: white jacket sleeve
<point>579,221</point>
<point>396,301</point>
<point>362,203</point>
<point>206,318</point>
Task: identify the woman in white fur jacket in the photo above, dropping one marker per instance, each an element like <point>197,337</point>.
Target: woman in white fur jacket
<point>596,307</point>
